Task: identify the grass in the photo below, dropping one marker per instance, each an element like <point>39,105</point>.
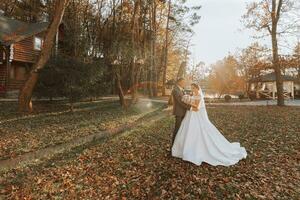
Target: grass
<point>136,165</point>
<point>55,124</point>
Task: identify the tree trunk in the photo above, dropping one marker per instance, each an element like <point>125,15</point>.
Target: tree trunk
<point>277,68</point>
<point>150,82</point>
<point>26,92</point>
<point>166,51</point>
<point>153,73</point>
<point>276,9</point>
<point>135,40</point>
<point>181,70</point>
<point>120,90</point>
<point>133,88</point>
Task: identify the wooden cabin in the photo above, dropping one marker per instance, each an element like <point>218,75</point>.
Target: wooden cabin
<point>264,87</point>
<point>20,46</point>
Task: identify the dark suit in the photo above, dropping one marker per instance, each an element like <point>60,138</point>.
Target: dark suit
<point>179,109</point>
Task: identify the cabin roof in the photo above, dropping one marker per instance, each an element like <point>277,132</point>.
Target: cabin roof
<point>12,30</point>
<point>271,77</point>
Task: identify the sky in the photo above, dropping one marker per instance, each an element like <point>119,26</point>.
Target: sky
<point>220,30</point>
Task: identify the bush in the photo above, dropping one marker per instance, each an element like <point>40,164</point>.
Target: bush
<point>227,98</point>
<point>99,80</point>
<point>241,96</point>
<point>72,79</point>
<point>252,96</point>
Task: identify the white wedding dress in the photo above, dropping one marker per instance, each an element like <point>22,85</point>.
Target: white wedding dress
<point>198,140</point>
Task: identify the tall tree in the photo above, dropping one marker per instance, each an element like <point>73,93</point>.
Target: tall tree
<point>252,61</point>
<point>224,77</point>
<point>275,16</point>
<point>153,67</point>
<point>8,7</point>
<point>132,37</point>
<point>297,58</point>
<point>136,46</point>
<point>266,15</point>
<point>166,49</point>
<point>25,104</point>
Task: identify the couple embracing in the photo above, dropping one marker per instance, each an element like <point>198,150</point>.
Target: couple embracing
<point>195,138</point>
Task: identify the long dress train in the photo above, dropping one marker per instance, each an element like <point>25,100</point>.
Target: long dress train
<point>198,140</point>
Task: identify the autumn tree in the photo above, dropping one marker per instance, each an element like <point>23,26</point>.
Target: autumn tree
<point>199,72</point>
<point>268,16</point>
<point>25,96</point>
<point>224,77</point>
<point>166,49</point>
<point>25,10</point>
<point>138,41</point>
<point>252,61</point>
<point>296,58</point>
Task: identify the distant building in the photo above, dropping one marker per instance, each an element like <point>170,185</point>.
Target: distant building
<point>264,86</point>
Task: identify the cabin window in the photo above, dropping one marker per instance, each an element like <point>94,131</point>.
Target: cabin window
<point>38,43</point>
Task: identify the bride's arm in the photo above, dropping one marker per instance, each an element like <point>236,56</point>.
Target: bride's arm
<point>195,104</point>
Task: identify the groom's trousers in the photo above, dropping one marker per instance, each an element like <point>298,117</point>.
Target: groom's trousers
<point>178,120</point>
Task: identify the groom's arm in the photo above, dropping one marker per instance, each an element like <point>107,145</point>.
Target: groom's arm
<point>178,97</point>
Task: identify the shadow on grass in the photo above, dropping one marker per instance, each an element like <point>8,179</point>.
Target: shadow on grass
<point>27,134</point>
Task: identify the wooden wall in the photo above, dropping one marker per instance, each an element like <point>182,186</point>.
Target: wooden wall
<point>24,50</point>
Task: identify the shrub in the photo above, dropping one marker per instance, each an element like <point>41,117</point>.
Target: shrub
<point>227,98</point>
<point>241,96</point>
<point>72,79</point>
<point>252,96</point>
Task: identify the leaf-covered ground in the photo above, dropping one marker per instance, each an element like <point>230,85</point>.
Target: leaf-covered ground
<point>136,165</point>
<point>55,124</point>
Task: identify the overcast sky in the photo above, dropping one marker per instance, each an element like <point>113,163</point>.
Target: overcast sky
<point>220,30</point>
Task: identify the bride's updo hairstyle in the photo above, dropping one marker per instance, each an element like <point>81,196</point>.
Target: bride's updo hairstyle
<point>196,86</point>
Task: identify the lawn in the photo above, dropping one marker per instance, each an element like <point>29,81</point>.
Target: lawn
<point>136,165</point>
<point>53,123</point>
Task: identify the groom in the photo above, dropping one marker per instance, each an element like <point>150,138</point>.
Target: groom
<point>179,107</point>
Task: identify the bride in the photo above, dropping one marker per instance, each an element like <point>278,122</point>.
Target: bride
<point>198,140</point>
